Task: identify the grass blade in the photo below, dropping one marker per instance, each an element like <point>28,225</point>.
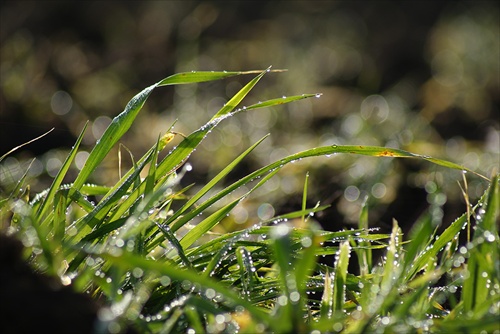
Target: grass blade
<point>42,210</point>
<point>24,144</point>
<point>182,152</point>
<point>482,267</point>
<point>118,127</point>
<point>340,278</point>
<point>215,180</point>
<point>203,76</point>
<point>95,218</point>
<point>364,251</point>
<point>326,310</point>
<point>238,97</point>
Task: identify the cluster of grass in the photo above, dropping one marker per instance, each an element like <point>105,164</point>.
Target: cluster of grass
<point>146,248</point>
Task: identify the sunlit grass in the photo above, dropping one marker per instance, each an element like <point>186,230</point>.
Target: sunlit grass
<point>147,247</point>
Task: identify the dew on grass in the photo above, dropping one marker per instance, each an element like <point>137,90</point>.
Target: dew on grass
<point>137,272</point>
<point>210,293</point>
<point>294,297</point>
<point>306,242</point>
<point>337,326</point>
<point>490,237</point>
<point>283,300</point>
<point>165,280</point>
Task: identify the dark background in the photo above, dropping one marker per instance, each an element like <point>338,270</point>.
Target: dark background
<point>422,76</point>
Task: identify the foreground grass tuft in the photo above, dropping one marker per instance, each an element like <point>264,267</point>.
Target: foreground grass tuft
<point>146,249</point>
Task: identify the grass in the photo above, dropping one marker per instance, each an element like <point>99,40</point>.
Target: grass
<point>147,249</point>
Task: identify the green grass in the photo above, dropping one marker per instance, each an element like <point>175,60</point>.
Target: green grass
<point>148,251</point>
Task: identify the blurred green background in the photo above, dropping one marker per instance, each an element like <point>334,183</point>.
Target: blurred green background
<point>421,76</point>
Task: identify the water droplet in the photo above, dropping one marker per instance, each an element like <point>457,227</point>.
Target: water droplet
<point>137,272</point>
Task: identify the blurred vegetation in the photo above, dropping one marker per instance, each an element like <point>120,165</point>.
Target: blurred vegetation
<point>421,76</point>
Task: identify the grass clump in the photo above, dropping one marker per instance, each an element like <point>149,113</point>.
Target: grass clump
<point>147,252</point>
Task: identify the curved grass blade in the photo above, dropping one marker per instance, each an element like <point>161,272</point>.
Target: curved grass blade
<point>24,144</point>
<point>182,152</point>
<point>121,123</point>
<point>374,151</point>
<point>203,76</point>
<point>377,151</point>
<point>118,127</point>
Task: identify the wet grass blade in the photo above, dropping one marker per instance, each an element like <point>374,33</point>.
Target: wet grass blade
<point>42,209</point>
<point>118,127</point>
<point>175,242</point>
<point>326,309</point>
<point>203,76</point>
<point>377,151</point>
<point>121,123</point>
<point>431,252</point>
<point>340,278</point>
<point>364,251</point>
<point>247,271</point>
<point>215,180</point>
<point>307,261</point>
<point>392,255</point>
<point>482,268</point>
<point>304,196</point>
<point>60,200</point>
<point>420,237</point>
<point>24,144</point>
<point>238,97</point>
<point>286,320</point>
<point>279,101</point>
<point>182,152</point>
